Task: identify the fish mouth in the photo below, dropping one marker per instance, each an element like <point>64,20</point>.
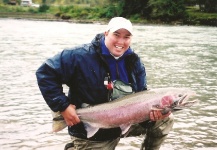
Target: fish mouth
<point>184,101</point>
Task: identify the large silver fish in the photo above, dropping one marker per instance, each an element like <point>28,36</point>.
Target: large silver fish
<point>128,110</point>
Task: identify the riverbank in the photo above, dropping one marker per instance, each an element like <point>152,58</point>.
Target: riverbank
<point>94,15</point>
<point>47,17</point>
<point>193,20</point>
<point>50,17</point>
<point>26,15</point>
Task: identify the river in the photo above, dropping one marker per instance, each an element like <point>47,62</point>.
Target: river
<point>177,56</point>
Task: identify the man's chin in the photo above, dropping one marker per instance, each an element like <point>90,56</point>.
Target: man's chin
<point>117,55</point>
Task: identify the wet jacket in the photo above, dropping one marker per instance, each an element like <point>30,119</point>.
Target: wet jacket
<point>83,69</point>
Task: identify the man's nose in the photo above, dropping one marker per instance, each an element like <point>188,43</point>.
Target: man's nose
<point>121,40</point>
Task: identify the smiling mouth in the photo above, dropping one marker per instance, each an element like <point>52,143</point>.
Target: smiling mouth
<point>119,47</point>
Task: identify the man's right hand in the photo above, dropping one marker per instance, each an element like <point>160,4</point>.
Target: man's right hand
<point>70,115</point>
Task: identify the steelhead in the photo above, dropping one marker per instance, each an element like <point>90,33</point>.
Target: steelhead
<point>128,110</point>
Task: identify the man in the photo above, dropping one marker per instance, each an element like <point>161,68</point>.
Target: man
<point>89,71</point>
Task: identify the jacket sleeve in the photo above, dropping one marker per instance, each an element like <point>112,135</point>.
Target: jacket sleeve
<point>137,70</point>
<point>141,76</point>
<point>50,77</point>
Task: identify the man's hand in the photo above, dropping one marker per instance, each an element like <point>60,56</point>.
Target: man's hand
<point>70,115</point>
<point>156,115</point>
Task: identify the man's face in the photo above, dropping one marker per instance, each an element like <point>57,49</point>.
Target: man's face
<point>118,42</point>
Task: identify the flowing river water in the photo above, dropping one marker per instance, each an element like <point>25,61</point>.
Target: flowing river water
<point>174,56</point>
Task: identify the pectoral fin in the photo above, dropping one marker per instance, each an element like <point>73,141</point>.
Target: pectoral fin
<point>91,130</point>
<point>125,128</point>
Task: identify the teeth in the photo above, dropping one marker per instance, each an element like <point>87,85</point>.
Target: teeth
<point>119,47</point>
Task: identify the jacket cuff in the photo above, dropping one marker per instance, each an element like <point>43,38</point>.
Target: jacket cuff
<point>59,103</point>
<point>64,106</point>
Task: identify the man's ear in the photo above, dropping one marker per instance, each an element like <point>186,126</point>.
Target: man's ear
<point>106,33</point>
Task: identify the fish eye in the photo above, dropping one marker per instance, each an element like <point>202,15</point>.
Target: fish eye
<point>180,95</point>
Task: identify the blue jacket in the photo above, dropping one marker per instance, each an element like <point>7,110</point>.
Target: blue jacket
<point>83,69</point>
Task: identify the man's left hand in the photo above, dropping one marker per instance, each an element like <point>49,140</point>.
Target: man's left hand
<point>156,115</point>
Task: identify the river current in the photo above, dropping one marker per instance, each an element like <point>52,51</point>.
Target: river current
<point>174,56</point>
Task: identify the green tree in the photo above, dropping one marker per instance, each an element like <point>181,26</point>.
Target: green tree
<point>133,7</point>
<point>129,8</point>
<point>113,8</point>
<point>209,6</point>
<point>190,2</point>
<point>167,10</point>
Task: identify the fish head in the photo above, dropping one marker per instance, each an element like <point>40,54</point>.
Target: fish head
<point>179,98</point>
<point>174,98</point>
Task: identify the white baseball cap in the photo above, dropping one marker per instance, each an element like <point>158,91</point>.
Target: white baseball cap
<point>117,23</point>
